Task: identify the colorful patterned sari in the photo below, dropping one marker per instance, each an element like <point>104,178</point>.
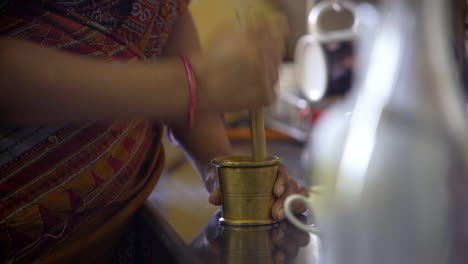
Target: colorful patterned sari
<point>66,191</point>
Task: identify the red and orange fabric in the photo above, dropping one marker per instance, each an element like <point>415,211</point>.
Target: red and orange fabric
<point>67,191</point>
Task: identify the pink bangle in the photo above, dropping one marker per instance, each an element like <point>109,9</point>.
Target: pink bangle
<point>192,91</point>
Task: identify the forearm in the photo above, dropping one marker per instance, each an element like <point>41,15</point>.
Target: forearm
<point>41,85</point>
<point>205,141</point>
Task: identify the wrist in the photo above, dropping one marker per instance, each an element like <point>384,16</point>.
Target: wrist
<point>203,77</point>
<point>210,179</point>
<point>192,88</point>
<point>174,90</point>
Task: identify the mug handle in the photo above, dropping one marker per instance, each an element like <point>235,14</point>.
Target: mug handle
<point>341,34</point>
<point>291,217</point>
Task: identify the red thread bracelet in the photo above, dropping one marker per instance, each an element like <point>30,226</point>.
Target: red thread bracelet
<point>192,91</point>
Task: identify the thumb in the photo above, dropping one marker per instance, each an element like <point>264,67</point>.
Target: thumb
<point>215,197</point>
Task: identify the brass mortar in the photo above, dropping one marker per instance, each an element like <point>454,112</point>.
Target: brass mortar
<point>247,189</point>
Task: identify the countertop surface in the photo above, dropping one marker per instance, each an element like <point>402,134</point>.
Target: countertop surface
<point>278,243</point>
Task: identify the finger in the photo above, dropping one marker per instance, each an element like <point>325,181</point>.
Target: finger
<point>266,53</point>
<point>290,250</point>
<point>271,80</point>
<point>282,50</point>
<point>277,210</point>
<point>268,38</point>
<point>270,67</point>
<point>277,236</point>
<point>269,95</point>
<point>270,48</point>
<point>260,86</point>
<point>215,197</point>
<point>269,51</point>
<point>262,51</point>
<point>282,180</point>
<point>295,234</point>
<point>275,76</point>
<point>302,238</point>
<point>279,257</point>
<point>274,72</point>
<point>268,80</point>
<point>300,207</point>
<point>275,44</point>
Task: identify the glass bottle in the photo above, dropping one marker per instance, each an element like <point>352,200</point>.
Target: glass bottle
<point>393,156</point>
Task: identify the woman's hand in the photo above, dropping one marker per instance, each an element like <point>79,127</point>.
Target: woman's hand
<point>240,66</point>
<point>284,186</point>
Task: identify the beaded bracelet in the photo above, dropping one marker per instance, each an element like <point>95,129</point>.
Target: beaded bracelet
<point>192,91</point>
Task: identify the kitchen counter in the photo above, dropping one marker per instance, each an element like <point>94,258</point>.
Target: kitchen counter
<point>279,243</point>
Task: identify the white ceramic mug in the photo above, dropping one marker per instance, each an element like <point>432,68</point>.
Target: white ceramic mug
<point>315,203</point>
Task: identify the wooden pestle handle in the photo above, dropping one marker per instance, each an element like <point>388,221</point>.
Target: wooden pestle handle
<point>257,130</point>
<point>257,125</point>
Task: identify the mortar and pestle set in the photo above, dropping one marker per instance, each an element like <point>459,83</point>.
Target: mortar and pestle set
<point>246,182</point>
